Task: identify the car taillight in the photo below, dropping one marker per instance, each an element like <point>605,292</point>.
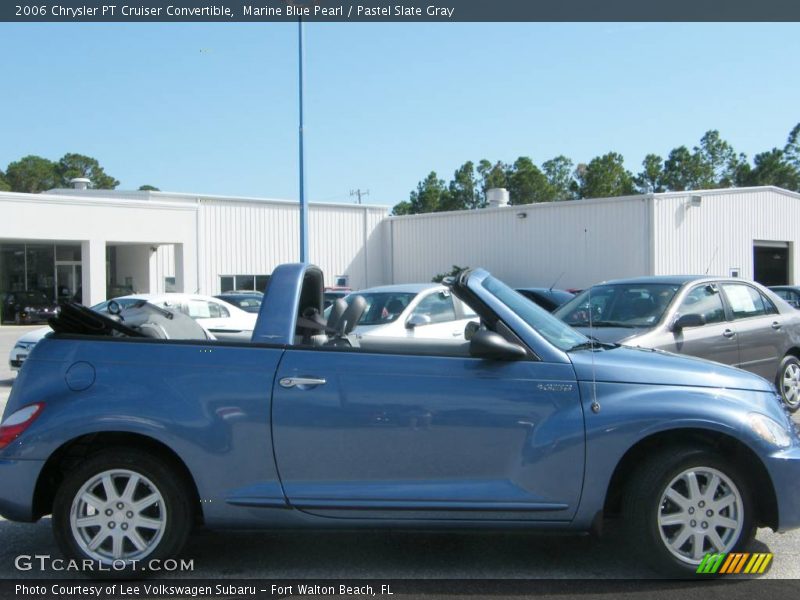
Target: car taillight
<point>19,421</point>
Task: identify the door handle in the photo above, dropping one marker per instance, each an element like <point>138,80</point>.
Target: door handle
<point>728,333</point>
<point>776,325</point>
<point>301,382</point>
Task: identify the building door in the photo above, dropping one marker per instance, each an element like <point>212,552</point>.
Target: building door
<point>771,263</point>
<point>68,280</point>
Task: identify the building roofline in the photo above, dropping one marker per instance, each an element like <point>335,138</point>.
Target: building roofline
<point>94,201</point>
<point>589,201</point>
<point>148,195</point>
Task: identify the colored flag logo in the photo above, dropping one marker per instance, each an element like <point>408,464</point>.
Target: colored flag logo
<point>735,563</point>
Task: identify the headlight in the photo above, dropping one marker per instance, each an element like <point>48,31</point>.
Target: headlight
<point>769,430</point>
<point>28,309</point>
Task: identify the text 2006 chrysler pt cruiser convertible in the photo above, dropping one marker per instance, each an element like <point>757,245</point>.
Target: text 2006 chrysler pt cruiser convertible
<point>132,438</point>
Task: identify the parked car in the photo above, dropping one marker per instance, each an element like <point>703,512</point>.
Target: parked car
<point>225,321</point>
<point>731,321</point>
<point>548,298</point>
<point>247,301</point>
<point>422,310</point>
<point>25,308</point>
<point>790,293</point>
<point>23,346</point>
<point>528,425</point>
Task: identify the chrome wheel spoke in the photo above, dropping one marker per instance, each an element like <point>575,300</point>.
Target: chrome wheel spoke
<point>678,498</point>
<point>672,519</point>
<point>145,523</point>
<point>130,488</point>
<point>92,500</point>
<point>715,540</point>
<point>108,486</point>
<point>146,502</point>
<point>136,539</point>
<point>722,503</point>
<point>694,487</point>
<point>92,521</point>
<point>711,488</point>
<point>117,541</point>
<point>98,539</point>
<point>697,545</point>
<point>725,522</point>
<point>681,538</point>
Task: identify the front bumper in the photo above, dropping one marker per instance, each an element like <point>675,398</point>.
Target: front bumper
<point>18,479</point>
<point>784,470</point>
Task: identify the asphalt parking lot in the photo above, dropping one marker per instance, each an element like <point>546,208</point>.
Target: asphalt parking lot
<point>383,554</point>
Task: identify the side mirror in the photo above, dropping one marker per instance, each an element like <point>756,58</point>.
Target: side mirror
<point>690,320</point>
<point>417,320</point>
<point>493,346</point>
<point>470,329</point>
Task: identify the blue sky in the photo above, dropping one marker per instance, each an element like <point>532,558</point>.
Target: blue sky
<point>213,108</point>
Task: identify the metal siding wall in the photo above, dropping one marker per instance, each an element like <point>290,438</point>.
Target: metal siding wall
<point>240,238</point>
<point>718,235</point>
<point>533,251</point>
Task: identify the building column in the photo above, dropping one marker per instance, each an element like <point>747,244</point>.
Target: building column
<point>93,271</point>
<point>185,269</point>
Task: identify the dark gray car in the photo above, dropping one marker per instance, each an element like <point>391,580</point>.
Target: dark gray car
<point>732,321</point>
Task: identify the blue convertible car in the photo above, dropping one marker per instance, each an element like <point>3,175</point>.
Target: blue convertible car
<point>130,435</point>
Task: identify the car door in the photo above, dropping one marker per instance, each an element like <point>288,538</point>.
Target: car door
<point>361,434</point>
<point>760,329</point>
<point>716,340</point>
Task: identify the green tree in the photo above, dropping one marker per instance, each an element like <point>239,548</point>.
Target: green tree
<point>792,148</point>
<point>4,186</point>
<point>651,178</point>
<point>428,195</point>
<point>771,168</point>
<point>32,174</point>
<point>402,208</point>
<point>681,170</point>
<point>74,165</point>
<point>558,172</point>
<point>526,183</point>
<point>462,192</point>
<point>605,176</point>
<point>716,162</point>
<point>148,188</point>
<point>492,176</point>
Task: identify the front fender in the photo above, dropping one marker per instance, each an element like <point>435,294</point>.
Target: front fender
<point>630,413</point>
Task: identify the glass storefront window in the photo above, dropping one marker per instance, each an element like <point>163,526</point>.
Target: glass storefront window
<point>12,267</point>
<point>40,268</point>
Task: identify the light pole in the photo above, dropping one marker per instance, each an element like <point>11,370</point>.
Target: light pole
<point>303,205</point>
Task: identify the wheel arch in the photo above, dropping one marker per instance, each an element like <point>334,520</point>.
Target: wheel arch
<point>67,456</point>
<point>766,503</point>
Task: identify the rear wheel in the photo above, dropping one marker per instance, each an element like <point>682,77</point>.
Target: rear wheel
<point>120,509</point>
<point>686,503</point>
<point>788,382</point>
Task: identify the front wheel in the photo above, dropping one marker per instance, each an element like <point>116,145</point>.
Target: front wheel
<point>788,382</point>
<point>121,509</point>
<point>686,503</point>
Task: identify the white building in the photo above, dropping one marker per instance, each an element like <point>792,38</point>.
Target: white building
<point>747,232</point>
<point>64,240</point>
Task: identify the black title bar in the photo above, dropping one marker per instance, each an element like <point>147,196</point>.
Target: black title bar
<point>408,11</point>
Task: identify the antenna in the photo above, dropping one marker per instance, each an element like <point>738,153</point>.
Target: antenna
<point>595,403</point>
<point>358,193</point>
<point>713,256</point>
<point>550,289</point>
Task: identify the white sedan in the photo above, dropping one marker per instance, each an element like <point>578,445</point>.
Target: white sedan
<point>425,310</point>
<point>222,320</point>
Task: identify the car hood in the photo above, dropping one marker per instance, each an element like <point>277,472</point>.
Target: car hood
<point>34,336</point>
<point>644,366</point>
<point>612,335</point>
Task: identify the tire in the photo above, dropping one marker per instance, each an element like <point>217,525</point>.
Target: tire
<point>788,382</point>
<point>150,522</point>
<point>670,548</point>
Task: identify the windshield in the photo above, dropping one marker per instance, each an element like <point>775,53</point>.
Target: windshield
<point>251,304</point>
<point>554,331</point>
<point>32,297</point>
<point>619,305</point>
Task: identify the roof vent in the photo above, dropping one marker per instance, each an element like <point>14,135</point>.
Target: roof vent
<point>80,183</point>
<point>497,197</point>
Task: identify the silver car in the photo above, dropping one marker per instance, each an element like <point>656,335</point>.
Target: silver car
<point>732,321</point>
